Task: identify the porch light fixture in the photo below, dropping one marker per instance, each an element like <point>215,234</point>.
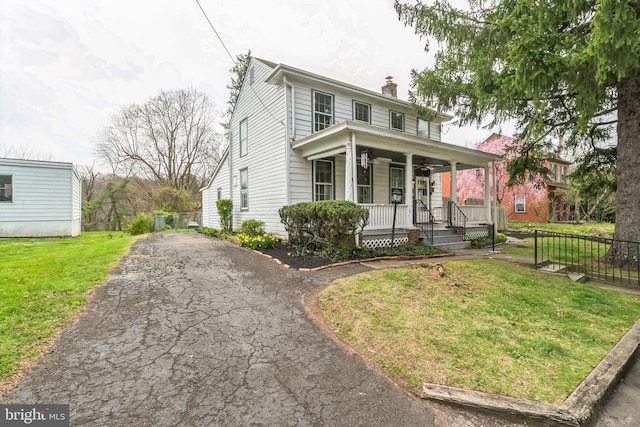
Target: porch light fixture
<point>364,159</point>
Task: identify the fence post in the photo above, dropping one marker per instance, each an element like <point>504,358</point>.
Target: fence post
<point>535,248</point>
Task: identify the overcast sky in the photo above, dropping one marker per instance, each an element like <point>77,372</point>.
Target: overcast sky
<point>67,66</point>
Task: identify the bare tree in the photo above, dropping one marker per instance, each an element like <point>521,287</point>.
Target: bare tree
<point>169,140</point>
<point>22,152</point>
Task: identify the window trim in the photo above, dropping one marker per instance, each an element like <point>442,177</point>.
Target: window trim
<point>332,183</point>
<point>246,137</point>
<point>524,203</point>
<point>10,189</point>
<point>244,191</point>
<point>369,170</point>
<point>391,113</point>
<point>314,112</point>
<point>391,187</point>
<point>219,193</point>
<point>354,111</point>
<point>428,122</point>
<point>553,172</point>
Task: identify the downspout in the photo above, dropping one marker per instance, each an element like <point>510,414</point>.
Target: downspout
<point>287,139</point>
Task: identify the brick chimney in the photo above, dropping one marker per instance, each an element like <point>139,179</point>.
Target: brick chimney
<point>390,88</point>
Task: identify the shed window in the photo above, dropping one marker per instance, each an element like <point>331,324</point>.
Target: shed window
<point>6,188</point>
<point>219,193</point>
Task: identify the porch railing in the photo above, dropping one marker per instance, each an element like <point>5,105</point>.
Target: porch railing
<point>475,213</point>
<point>381,216</point>
<point>424,219</point>
<point>457,219</point>
<point>596,257</point>
<point>440,213</point>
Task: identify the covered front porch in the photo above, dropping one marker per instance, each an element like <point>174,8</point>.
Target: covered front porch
<point>385,170</point>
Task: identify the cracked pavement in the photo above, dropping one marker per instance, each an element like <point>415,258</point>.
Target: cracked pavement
<point>194,331</point>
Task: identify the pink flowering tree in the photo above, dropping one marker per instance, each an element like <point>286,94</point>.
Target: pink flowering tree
<point>471,183</point>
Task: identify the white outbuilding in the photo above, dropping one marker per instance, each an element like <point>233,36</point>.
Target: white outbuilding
<point>39,199</point>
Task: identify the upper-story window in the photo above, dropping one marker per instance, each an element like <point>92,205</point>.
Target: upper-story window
<point>361,112</point>
<point>322,110</point>
<point>563,174</point>
<point>6,189</point>
<point>554,172</point>
<point>423,128</point>
<point>396,120</point>
<point>244,137</point>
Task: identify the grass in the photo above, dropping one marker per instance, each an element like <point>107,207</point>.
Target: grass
<point>45,282</point>
<point>586,229</point>
<point>486,325</point>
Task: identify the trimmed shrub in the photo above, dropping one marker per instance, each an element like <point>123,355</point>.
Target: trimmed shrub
<point>330,223</point>
<point>488,241</point>
<point>225,210</point>
<point>141,225</point>
<point>252,227</point>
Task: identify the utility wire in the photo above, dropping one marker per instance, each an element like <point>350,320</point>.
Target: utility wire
<point>214,30</point>
<point>235,62</point>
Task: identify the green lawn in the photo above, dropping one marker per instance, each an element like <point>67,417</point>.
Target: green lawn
<point>586,229</point>
<point>44,283</point>
<point>487,325</point>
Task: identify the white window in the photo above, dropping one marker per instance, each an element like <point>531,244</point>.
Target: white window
<point>244,137</point>
<point>322,111</point>
<point>520,203</point>
<point>423,128</point>
<point>364,184</point>
<point>219,193</point>
<point>396,182</point>
<point>361,112</point>
<point>6,188</point>
<point>244,189</point>
<point>396,120</point>
<point>323,180</point>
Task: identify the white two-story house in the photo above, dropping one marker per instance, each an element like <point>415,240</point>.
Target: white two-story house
<point>296,137</point>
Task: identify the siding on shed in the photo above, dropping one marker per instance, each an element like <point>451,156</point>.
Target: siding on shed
<point>210,217</point>
<point>46,199</point>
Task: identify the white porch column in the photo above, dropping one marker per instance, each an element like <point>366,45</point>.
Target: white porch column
<point>354,167</point>
<point>348,172</point>
<point>487,194</point>
<point>408,190</point>
<point>454,184</point>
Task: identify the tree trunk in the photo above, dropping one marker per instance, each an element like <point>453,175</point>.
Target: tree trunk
<point>627,226</point>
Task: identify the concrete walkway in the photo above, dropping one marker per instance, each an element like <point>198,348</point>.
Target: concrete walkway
<point>194,331</point>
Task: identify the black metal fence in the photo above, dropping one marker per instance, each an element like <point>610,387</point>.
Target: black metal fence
<point>595,257</point>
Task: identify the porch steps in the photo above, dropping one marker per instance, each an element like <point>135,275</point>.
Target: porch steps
<point>445,238</point>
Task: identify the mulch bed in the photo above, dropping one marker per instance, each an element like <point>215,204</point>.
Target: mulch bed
<point>281,253</point>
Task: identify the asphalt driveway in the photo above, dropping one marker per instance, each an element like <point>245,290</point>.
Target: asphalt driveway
<point>194,331</point>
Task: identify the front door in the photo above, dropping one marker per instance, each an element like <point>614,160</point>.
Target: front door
<point>422,191</point>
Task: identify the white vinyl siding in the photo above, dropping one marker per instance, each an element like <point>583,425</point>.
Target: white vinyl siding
<point>210,217</point>
<point>266,159</point>
<point>46,199</point>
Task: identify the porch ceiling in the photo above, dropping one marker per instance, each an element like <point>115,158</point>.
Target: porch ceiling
<point>390,144</point>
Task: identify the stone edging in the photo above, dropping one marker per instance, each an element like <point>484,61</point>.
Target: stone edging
<point>577,410</point>
<point>355,261</point>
